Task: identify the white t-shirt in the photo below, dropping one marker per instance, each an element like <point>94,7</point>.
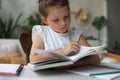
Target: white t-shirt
<point>53,40</point>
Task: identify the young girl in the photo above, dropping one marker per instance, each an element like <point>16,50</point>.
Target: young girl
<point>55,35</point>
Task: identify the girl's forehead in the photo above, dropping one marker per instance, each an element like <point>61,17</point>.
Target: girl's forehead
<point>57,9</point>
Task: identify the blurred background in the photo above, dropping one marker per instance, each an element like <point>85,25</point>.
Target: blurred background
<point>97,19</point>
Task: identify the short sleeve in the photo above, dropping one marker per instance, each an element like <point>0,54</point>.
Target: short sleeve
<point>78,34</point>
<point>37,28</point>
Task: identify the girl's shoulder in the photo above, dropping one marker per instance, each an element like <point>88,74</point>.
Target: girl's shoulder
<point>76,31</point>
<point>75,34</point>
<point>39,27</point>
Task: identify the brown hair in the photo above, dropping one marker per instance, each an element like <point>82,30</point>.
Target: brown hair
<point>44,4</point>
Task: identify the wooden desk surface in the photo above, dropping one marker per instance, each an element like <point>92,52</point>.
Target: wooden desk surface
<point>28,74</point>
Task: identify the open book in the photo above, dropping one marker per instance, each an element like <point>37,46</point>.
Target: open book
<point>10,69</point>
<point>62,60</point>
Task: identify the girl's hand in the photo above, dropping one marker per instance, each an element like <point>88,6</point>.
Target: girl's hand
<point>71,48</point>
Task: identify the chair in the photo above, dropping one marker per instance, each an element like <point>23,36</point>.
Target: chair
<point>26,43</point>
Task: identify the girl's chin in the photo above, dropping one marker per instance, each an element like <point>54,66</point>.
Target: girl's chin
<point>63,31</point>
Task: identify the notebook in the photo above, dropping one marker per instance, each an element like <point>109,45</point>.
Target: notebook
<point>98,72</point>
<point>10,69</point>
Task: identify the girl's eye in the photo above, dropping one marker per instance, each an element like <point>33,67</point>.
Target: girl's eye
<point>66,17</point>
<point>56,20</point>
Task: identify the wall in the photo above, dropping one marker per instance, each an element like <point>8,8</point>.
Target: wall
<point>14,7</point>
<point>95,8</point>
<point>27,7</point>
<point>113,8</point>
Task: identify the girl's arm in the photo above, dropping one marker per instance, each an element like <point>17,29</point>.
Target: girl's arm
<point>38,44</point>
<point>93,59</point>
<point>73,46</point>
<point>83,41</point>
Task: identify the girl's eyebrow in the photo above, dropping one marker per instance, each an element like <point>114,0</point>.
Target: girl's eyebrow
<point>67,15</point>
<point>54,18</point>
<point>63,16</point>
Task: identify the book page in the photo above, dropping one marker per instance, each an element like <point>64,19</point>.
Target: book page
<point>9,68</point>
<point>86,51</point>
<point>57,57</point>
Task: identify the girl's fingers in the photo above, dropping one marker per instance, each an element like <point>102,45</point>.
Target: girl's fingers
<point>72,48</point>
<point>76,44</point>
<point>75,47</point>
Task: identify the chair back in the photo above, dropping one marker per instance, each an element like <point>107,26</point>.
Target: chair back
<point>26,43</point>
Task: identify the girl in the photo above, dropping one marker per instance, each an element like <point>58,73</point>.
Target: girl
<point>55,35</point>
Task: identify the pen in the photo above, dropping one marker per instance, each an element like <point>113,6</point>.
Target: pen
<point>19,70</point>
<point>71,54</point>
<point>104,73</point>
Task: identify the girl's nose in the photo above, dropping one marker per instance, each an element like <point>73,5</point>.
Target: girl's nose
<point>62,22</point>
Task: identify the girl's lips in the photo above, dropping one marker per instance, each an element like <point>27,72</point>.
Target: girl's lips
<point>63,28</point>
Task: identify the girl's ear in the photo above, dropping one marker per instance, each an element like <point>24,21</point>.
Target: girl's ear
<point>44,19</point>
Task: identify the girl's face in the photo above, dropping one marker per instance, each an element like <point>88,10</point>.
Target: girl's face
<point>58,18</point>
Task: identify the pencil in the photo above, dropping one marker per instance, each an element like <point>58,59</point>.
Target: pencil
<point>104,73</point>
